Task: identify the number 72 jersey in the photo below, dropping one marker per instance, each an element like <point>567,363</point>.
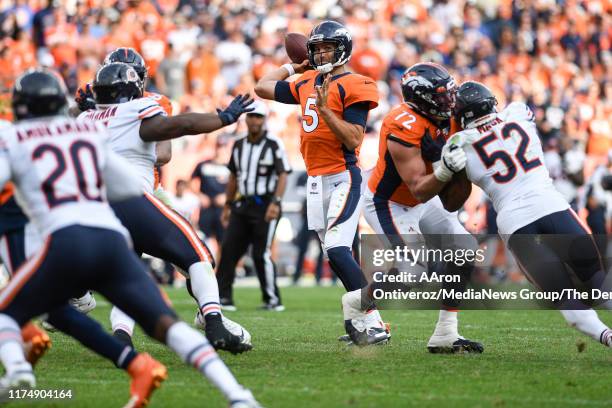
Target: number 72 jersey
<point>505,159</point>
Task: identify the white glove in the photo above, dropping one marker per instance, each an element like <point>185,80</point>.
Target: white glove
<point>453,161</point>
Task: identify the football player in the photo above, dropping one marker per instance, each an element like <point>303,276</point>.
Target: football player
<point>335,105</point>
<point>505,159</point>
<point>135,124</point>
<point>64,170</point>
<point>401,198</point>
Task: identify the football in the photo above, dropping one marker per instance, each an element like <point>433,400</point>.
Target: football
<point>454,194</point>
<point>295,45</point>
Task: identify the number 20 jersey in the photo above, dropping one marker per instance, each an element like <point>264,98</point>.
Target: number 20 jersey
<point>56,164</point>
<point>505,159</point>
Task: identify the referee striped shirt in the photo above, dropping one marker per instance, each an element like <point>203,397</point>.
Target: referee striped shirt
<point>258,165</point>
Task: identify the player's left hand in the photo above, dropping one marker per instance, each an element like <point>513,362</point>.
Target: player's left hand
<point>272,212</point>
<point>431,149</point>
<point>241,104</point>
<point>454,158</point>
<point>322,91</point>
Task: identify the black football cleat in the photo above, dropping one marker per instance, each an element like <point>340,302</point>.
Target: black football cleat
<point>221,338</point>
<point>459,346</point>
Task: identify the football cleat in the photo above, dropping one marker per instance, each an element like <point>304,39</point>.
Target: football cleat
<point>367,330</point>
<point>233,327</point>
<point>453,344</point>
<point>228,305</point>
<point>36,342</point>
<point>85,303</point>
<point>347,339</point>
<point>221,337</point>
<point>271,307</point>
<point>147,375</point>
<point>19,379</point>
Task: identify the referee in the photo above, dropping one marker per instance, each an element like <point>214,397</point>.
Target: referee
<point>259,168</point>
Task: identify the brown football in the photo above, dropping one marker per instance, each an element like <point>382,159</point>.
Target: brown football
<point>295,45</point>
<point>454,194</point>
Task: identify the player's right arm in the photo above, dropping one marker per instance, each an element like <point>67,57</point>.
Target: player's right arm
<point>412,170</point>
<point>268,86</point>
<point>160,127</point>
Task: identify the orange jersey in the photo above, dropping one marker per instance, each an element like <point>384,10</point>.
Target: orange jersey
<point>405,126</point>
<point>323,153</point>
<point>6,193</point>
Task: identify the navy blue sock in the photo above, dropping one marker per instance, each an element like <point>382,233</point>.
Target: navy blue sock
<point>346,268</point>
<point>91,334</point>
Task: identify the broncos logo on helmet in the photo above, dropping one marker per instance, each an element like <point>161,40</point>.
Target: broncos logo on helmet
<point>430,89</point>
<point>330,32</point>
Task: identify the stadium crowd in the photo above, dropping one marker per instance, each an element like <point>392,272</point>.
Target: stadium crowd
<point>555,55</point>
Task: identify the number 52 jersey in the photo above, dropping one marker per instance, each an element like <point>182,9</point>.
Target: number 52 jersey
<point>505,159</point>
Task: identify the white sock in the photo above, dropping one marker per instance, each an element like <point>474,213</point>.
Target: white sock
<point>447,323</point>
<point>195,350</point>
<point>11,346</point>
<point>120,320</point>
<point>351,305</point>
<point>205,288</point>
<point>587,322</point>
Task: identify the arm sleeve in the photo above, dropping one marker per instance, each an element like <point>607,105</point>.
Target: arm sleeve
<point>357,113</point>
<point>120,178</point>
<point>149,108</point>
<point>284,92</point>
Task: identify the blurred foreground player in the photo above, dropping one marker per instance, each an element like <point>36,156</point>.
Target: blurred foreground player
<point>553,247</point>
<point>61,168</point>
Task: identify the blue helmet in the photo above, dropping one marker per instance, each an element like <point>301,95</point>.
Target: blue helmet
<point>330,32</point>
<point>116,83</point>
<point>39,92</point>
<point>474,100</point>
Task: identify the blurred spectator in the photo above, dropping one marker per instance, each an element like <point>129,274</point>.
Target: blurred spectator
<point>171,75</point>
<point>184,201</point>
<point>203,68</point>
<point>209,179</point>
<point>235,57</point>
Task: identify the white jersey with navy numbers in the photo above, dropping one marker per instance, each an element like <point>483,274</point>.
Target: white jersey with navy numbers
<point>59,166</point>
<point>505,159</point>
<point>123,123</point>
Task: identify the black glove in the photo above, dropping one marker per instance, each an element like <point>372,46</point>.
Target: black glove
<point>239,105</point>
<point>85,98</point>
<point>431,149</point>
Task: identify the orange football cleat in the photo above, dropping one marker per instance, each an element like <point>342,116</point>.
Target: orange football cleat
<point>36,342</point>
<point>147,375</point>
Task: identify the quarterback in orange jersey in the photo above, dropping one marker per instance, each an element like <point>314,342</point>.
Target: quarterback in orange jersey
<point>335,105</point>
<point>414,163</point>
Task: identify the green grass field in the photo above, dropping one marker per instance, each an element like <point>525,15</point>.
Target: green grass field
<point>531,359</point>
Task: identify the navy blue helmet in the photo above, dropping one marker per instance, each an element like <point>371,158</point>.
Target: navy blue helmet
<point>430,89</point>
<point>116,83</point>
<point>39,92</point>
<point>330,32</point>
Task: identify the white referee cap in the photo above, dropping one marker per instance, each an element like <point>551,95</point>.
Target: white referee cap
<point>260,108</point>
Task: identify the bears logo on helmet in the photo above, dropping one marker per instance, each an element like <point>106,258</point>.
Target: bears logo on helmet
<point>116,83</point>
